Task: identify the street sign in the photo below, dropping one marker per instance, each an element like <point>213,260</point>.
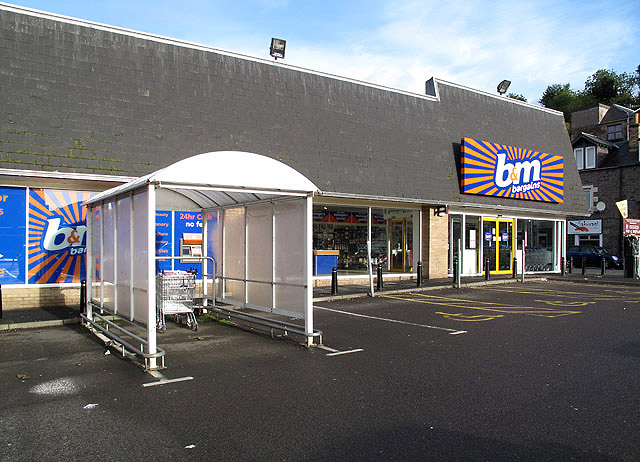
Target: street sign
<point>623,206</point>
<point>631,227</point>
<point>585,227</point>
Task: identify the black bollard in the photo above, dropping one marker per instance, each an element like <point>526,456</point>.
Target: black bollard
<point>419,274</point>
<point>487,264</point>
<point>603,266</point>
<point>515,268</point>
<point>334,281</point>
<point>83,295</point>
<point>379,283</point>
<point>570,265</point>
<point>455,271</point>
<point>584,266</point>
<point>563,266</point>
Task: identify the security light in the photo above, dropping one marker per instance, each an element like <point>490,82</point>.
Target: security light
<point>277,48</point>
<point>503,86</point>
<point>440,211</point>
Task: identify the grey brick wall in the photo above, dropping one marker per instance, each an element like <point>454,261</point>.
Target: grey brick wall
<point>615,184</point>
<point>83,99</point>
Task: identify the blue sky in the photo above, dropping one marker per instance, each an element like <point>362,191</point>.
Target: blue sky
<point>400,43</point>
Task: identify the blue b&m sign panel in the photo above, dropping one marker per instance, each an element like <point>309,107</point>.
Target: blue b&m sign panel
<point>492,169</point>
<point>13,231</point>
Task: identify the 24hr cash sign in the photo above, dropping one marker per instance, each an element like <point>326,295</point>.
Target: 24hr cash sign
<point>492,169</point>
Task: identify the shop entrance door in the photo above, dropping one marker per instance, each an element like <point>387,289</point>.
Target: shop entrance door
<point>398,246</point>
<point>499,245</point>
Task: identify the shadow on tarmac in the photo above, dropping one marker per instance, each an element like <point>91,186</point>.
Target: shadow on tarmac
<point>433,444</point>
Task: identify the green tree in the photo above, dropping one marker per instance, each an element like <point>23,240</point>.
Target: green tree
<point>608,87</point>
<point>603,86</point>
<point>561,98</point>
<point>517,96</point>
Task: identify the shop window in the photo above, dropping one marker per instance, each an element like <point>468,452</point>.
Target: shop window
<point>455,234</point>
<point>614,132</point>
<point>56,235</point>
<point>472,244</point>
<point>472,226</point>
<point>345,229</point>
<point>539,246</point>
<point>12,226</point>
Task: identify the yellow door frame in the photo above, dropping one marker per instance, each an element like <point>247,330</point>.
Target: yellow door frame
<point>497,241</point>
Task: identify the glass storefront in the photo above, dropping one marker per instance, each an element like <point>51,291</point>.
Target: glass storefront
<point>345,229</point>
<point>498,240</point>
<point>540,248</point>
<point>465,243</point>
<point>471,253</point>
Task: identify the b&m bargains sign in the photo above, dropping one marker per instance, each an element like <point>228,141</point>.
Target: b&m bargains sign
<point>57,235</point>
<point>492,169</point>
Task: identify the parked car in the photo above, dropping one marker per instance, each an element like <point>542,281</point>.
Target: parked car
<point>594,255</point>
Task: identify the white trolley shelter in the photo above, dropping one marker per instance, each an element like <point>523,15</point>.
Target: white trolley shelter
<point>256,235</point>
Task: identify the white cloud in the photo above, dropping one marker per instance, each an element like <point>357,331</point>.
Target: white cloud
<point>402,43</point>
<point>533,44</point>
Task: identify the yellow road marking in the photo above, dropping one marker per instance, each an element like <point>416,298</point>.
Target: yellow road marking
<point>468,318</point>
<point>562,303</point>
<point>552,293</point>
<point>484,306</point>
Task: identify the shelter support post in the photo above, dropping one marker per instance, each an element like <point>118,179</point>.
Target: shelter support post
<point>369,268</point>
<point>308,268</point>
<point>151,281</point>
<point>90,271</point>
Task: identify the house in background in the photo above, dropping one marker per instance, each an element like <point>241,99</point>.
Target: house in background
<point>605,146</point>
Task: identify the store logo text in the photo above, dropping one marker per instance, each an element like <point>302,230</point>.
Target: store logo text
<point>58,239</point>
<point>521,176</point>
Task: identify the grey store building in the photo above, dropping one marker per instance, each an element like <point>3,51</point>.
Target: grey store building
<point>88,106</point>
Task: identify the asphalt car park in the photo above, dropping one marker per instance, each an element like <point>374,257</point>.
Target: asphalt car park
<point>536,371</point>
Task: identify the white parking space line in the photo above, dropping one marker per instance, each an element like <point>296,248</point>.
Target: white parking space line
<point>166,381</point>
<point>358,315</point>
<point>346,352</point>
<point>162,380</point>
<point>334,352</point>
<point>326,348</point>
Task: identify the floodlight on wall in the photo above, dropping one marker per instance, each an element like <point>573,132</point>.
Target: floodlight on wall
<point>503,86</point>
<point>277,48</point>
<point>440,211</point>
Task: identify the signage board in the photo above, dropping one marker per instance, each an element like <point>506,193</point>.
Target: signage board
<point>340,216</point>
<point>57,235</point>
<point>623,206</point>
<point>584,227</point>
<point>631,227</point>
<point>164,239</point>
<point>13,231</point>
<point>492,169</point>
<point>186,223</point>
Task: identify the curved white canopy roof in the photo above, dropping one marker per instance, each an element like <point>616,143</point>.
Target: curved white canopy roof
<point>222,178</point>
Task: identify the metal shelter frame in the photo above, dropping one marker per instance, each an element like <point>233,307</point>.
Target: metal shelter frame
<point>257,235</point>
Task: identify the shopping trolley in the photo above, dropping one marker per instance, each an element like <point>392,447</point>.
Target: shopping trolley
<point>174,297</point>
